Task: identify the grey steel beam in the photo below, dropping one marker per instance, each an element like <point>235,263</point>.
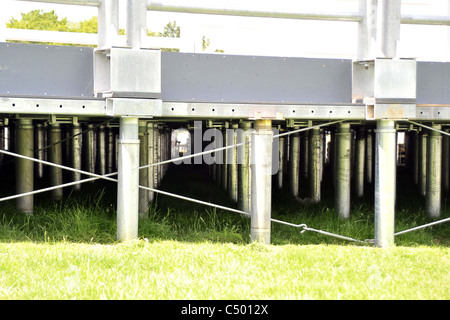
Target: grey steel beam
<point>385,183</point>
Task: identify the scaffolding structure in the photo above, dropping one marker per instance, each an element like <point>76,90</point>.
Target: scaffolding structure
<point>126,82</point>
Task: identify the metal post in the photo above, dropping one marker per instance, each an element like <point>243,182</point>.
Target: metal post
<point>315,141</point>
<point>294,162</point>
<point>445,162</point>
<point>369,156</point>
<point>40,144</point>
<point>261,181</point>
<point>76,153</point>
<point>415,156</point>
<point>24,168</point>
<point>110,154</point>
<point>388,30</point>
<point>244,174</point>
<point>136,24</point>
<point>232,167</point>
<point>224,174</point>
<point>128,179</point>
<point>89,149</point>
<point>342,174</point>
<point>367,29</point>
<point>360,155</point>
<point>385,179</point>
<point>101,150</point>
<point>108,23</point>
<point>434,160</point>
<point>55,156</point>
<point>423,163</point>
<point>304,147</point>
<point>281,162</point>
<point>143,173</point>
<point>151,159</point>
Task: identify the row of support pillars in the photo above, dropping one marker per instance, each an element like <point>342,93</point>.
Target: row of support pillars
<point>246,173</point>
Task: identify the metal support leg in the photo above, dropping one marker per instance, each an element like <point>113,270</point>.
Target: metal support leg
<point>281,162</point>
<point>224,174</point>
<point>414,141</point>
<point>446,162</point>
<point>111,150</point>
<point>343,159</point>
<point>143,173</point>
<point>151,159</point>
<point>385,178</point>
<point>40,145</point>
<point>101,150</point>
<point>233,167</point>
<point>24,168</point>
<point>128,180</point>
<point>76,153</point>
<point>55,156</point>
<point>294,162</point>
<point>360,156</point>
<point>434,159</point>
<point>423,163</point>
<point>304,142</point>
<point>315,141</point>
<point>261,181</point>
<point>244,174</point>
<point>369,156</point>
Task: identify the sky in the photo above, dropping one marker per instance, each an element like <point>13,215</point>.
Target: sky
<point>279,37</point>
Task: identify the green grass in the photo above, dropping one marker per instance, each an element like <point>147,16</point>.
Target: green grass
<point>68,250</point>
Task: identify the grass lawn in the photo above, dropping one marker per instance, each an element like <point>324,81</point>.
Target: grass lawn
<point>67,250</point>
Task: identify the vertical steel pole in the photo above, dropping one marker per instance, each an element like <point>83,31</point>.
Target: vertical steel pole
<point>385,179</point>
<point>244,176</point>
<point>136,24</point>
<point>423,163</point>
<point>294,162</point>
<point>89,148</point>
<point>342,174</point>
<point>101,150</point>
<point>433,189</point>
<point>360,156</point>
<point>367,29</point>
<point>233,168</point>
<point>446,162</point>
<point>108,23</point>
<point>315,141</point>
<point>24,168</point>
<point>76,153</point>
<point>40,148</point>
<point>55,156</point>
<point>110,154</point>
<point>388,31</point>
<point>369,156</point>
<point>128,180</point>
<point>143,173</point>
<point>281,162</point>
<point>415,156</point>
<point>261,181</point>
<point>304,147</point>
<point>151,159</point>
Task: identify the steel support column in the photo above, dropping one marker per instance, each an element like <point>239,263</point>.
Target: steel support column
<point>143,173</point>
<point>369,156</point>
<point>342,178</point>
<point>360,157</point>
<point>294,162</point>
<point>423,162</point>
<point>446,162</point>
<point>281,162</point>
<point>128,179</point>
<point>315,165</point>
<point>55,156</point>
<point>385,179</point>
<point>76,153</point>
<point>434,160</point>
<point>24,168</point>
<point>261,167</point>
<point>232,166</point>
<point>151,171</point>
<point>244,174</point>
